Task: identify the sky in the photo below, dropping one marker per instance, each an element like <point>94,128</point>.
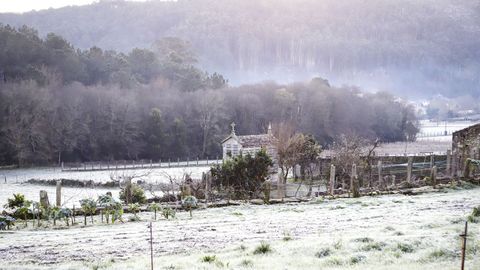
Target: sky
<point>19,6</point>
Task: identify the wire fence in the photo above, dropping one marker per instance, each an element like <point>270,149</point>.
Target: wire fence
<point>141,164</point>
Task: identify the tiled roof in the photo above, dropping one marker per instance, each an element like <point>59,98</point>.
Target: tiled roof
<point>249,141</point>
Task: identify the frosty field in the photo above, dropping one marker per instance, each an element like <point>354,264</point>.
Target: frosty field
<point>385,232</point>
<point>47,173</point>
<point>16,179</point>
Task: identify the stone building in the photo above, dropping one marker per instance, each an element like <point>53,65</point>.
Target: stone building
<point>234,145</point>
<point>465,145</point>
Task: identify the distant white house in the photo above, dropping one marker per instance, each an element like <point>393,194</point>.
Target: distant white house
<point>234,145</point>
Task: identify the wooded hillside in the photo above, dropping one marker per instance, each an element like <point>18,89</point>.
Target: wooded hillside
<point>415,48</point>
<point>59,103</point>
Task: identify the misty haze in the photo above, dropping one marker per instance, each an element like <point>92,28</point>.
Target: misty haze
<point>221,134</point>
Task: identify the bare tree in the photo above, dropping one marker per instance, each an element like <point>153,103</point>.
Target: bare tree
<point>208,106</point>
<point>125,181</point>
<point>288,149</point>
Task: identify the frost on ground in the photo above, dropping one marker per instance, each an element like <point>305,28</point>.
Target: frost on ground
<point>387,232</point>
<point>16,178</point>
<point>150,175</point>
<point>70,195</point>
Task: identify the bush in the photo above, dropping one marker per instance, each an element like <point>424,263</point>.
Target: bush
<point>324,252</point>
<point>135,209</point>
<point>246,263</point>
<point>189,203</point>
<point>441,254</point>
<point>112,207</point>
<point>263,248</point>
<point>209,258</point>
<point>472,219</point>
<point>6,222</point>
<point>287,237</point>
<point>364,240</point>
<point>138,194</point>
<point>357,259</point>
<point>373,246</point>
<point>89,207</point>
<point>405,248</point>
<point>17,201</point>
<point>243,176</point>
<point>476,212</point>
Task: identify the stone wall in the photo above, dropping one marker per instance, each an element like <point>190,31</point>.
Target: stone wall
<point>465,144</point>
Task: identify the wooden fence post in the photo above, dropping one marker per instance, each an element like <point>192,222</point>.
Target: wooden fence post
<point>44,202</point>
<point>332,179</point>
<point>354,182</point>
<point>432,161</point>
<point>449,163</point>
<point>454,164</point>
<point>59,193</point>
<point>380,178</point>
<point>464,244</point>
<point>409,169</point>
<point>207,188</point>
<point>434,176</point>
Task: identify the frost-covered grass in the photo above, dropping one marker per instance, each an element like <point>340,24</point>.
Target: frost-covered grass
<point>151,175</point>
<point>16,179</point>
<point>387,232</point>
<point>70,195</point>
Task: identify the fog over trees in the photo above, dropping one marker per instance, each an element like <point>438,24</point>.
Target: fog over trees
<point>414,48</point>
<point>59,103</point>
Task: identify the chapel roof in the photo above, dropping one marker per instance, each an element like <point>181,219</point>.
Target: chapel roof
<point>249,141</point>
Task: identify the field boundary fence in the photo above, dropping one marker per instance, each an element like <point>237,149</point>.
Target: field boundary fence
<point>140,164</point>
<point>384,173</point>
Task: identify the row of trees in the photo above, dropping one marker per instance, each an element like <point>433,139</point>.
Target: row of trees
<point>419,47</point>
<point>50,119</point>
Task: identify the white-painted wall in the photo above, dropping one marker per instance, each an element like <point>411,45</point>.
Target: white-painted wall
<point>231,146</point>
